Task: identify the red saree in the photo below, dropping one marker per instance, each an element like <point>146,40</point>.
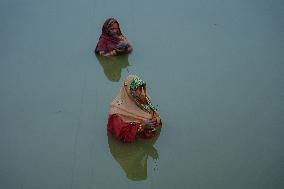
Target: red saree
<point>127,120</point>
<point>126,132</point>
<point>107,42</point>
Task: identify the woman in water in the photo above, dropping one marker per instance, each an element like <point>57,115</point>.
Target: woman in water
<point>131,113</point>
<point>111,41</point>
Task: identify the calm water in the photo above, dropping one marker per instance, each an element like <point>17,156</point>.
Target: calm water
<point>214,68</point>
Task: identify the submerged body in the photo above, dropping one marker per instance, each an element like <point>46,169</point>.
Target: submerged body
<point>131,113</point>
<point>112,42</point>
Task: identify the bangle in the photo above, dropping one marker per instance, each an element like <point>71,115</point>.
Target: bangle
<point>140,128</point>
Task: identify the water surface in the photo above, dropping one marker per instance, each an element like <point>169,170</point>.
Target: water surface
<point>214,69</point>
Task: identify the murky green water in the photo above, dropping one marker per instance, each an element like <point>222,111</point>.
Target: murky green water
<point>215,69</point>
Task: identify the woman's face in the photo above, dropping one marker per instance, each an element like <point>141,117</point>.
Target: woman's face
<point>114,29</point>
<point>141,94</point>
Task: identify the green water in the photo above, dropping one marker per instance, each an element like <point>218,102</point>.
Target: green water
<point>214,68</point>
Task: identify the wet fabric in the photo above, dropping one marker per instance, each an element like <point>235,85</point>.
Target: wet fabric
<point>126,132</point>
<point>108,42</point>
<point>125,105</point>
<point>126,116</point>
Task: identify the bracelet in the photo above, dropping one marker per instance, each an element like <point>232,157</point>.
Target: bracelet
<point>140,128</point>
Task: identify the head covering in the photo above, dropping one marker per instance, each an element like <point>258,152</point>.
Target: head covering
<point>106,30</point>
<point>126,104</point>
<point>107,41</point>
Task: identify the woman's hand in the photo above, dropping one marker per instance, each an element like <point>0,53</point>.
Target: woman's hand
<point>102,53</point>
<point>150,122</point>
<point>111,53</point>
<point>154,121</point>
<point>129,49</point>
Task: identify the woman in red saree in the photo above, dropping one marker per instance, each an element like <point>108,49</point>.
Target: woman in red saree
<point>111,41</point>
<point>131,113</point>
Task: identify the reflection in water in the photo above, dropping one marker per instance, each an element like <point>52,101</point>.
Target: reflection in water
<point>113,65</point>
<point>133,157</point>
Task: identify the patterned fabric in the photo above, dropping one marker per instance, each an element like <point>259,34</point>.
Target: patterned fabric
<point>127,106</point>
<point>135,83</point>
<point>126,114</point>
